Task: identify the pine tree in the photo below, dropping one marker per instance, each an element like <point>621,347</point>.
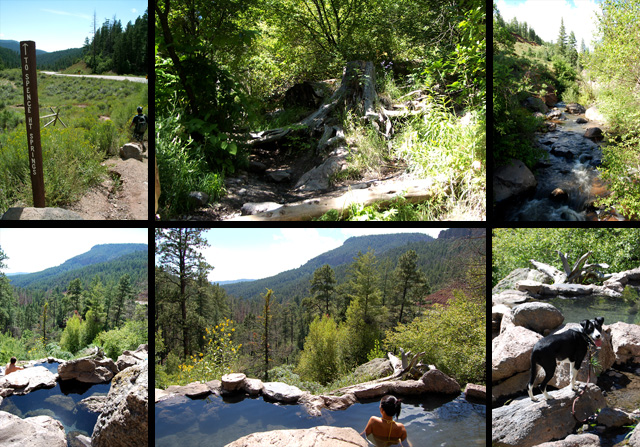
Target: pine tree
<point>266,315</point>
<point>572,52</point>
<point>562,38</point>
<point>364,282</point>
<point>408,279</point>
<point>74,292</point>
<point>323,285</point>
<point>45,308</point>
<point>123,296</point>
<point>179,255</point>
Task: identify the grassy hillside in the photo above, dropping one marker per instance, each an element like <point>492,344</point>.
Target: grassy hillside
<point>97,114</point>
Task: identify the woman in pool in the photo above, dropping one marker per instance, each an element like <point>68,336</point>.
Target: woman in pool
<point>384,432</point>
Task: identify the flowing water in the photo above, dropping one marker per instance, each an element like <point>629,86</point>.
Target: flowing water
<point>214,422</point>
<point>571,167</point>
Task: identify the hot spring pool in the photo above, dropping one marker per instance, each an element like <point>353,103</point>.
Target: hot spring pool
<point>215,422</point>
<point>59,403</point>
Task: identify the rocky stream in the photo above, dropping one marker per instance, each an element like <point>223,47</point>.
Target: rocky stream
<point>567,182</point>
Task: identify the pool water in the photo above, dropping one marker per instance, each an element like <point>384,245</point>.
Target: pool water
<point>53,366</point>
<point>211,422</point>
<point>576,309</point>
<point>59,403</point>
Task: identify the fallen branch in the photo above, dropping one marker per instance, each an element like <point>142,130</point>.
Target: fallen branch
<point>403,369</point>
<point>414,191</point>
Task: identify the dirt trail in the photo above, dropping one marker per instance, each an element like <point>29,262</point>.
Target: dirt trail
<point>122,196</point>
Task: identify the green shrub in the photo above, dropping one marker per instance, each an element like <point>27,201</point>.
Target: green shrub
<point>72,335</point>
<point>127,337</point>
<point>453,338</point>
<point>320,359</point>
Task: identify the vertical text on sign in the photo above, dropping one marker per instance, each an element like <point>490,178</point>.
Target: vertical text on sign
<point>32,118</point>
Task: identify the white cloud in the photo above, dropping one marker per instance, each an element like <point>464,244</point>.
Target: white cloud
<point>544,17</point>
<point>134,10</point>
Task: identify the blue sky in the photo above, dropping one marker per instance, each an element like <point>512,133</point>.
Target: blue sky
<point>59,25</point>
<point>260,253</point>
<point>35,249</point>
<point>544,16</point>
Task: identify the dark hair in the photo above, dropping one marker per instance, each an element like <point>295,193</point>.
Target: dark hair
<point>13,359</point>
<point>391,405</point>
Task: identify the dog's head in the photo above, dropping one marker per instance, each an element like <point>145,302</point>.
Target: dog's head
<point>593,329</point>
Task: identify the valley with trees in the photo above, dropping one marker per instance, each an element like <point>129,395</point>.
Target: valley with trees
<point>550,165</point>
<point>97,299</point>
<point>264,105</point>
<point>311,327</point>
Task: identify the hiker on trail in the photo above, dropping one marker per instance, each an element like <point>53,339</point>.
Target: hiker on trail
<point>141,123</point>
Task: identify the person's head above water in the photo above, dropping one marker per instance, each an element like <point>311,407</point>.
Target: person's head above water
<point>391,406</point>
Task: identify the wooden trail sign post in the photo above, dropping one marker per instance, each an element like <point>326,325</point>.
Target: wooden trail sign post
<point>32,116</point>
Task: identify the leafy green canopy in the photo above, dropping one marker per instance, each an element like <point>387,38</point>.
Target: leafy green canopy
<point>514,247</point>
<point>614,63</point>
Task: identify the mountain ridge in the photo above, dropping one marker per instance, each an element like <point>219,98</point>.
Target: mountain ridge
<point>98,254</point>
<point>295,282</point>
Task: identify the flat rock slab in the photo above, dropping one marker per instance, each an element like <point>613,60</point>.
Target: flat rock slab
<point>26,380</point>
<point>40,214</point>
<point>39,431</point>
<point>282,392</point>
<point>317,437</point>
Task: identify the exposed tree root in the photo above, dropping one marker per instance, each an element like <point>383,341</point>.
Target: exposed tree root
<point>357,92</point>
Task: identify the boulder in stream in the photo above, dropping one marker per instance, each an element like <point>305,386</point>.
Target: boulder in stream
<point>575,108</point>
<point>594,133</point>
<point>512,180</point>
<point>592,114</point>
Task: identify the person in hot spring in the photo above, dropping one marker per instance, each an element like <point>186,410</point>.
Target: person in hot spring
<point>11,367</point>
<point>384,432</point>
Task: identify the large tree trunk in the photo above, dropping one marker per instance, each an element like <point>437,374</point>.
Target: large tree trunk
<point>415,191</point>
<point>357,92</point>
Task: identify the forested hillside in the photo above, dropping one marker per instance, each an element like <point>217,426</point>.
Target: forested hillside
<point>253,96</point>
<point>114,48</point>
<point>356,311</point>
<point>88,300</point>
<point>129,257</point>
<point>435,259</point>
<point>117,48</point>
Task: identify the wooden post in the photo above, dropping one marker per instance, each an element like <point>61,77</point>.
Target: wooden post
<point>32,115</point>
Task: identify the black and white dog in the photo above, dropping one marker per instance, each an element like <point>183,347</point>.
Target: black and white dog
<point>570,345</point>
